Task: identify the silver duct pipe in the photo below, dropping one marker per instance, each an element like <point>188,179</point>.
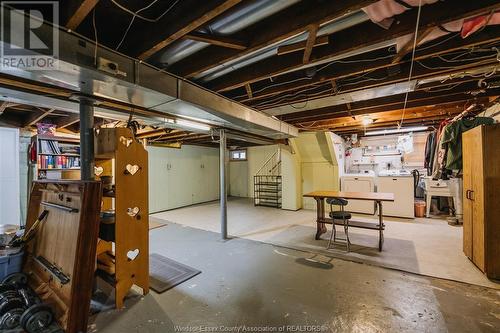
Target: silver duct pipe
<point>225,25</point>
<point>326,29</point>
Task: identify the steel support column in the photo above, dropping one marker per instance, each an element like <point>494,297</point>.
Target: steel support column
<point>87,140</point>
<point>223,187</point>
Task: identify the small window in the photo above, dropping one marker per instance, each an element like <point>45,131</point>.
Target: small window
<point>238,155</point>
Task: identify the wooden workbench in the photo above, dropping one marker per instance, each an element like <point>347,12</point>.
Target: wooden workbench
<point>321,220</point>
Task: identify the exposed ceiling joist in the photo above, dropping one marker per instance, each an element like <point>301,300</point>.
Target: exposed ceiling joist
<point>296,80</point>
<point>355,38</point>
<point>394,102</point>
<point>217,40</point>
<point>64,122</point>
<point>37,116</point>
<point>196,14</point>
<point>81,8</point>
<point>285,49</point>
<point>312,32</point>
<point>249,90</point>
<point>269,31</point>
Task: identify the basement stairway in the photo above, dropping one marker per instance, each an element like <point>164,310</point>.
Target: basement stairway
<point>267,182</point>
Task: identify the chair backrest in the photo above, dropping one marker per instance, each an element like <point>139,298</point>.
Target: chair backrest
<point>337,201</point>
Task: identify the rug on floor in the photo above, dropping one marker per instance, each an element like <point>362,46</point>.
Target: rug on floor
<point>165,273</point>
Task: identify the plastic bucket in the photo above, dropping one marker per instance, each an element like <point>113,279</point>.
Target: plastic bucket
<point>419,208</point>
<point>10,264</point>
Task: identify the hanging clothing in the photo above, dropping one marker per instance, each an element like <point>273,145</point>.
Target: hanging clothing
<point>452,139</point>
<point>439,151</point>
<point>429,151</point>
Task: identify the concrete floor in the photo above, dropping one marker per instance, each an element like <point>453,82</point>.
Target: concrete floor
<point>424,246</point>
<point>244,282</point>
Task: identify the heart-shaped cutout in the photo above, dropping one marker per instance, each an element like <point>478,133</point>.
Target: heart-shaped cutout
<point>98,171</point>
<point>133,211</point>
<point>132,169</point>
<point>131,255</point>
<point>126,141</point>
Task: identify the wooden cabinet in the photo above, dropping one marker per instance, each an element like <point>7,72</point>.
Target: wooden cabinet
<point>481,172</point>
<point>182,176</point>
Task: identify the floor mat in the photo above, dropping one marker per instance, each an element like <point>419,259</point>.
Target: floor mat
<point>156,223</point>
<point>165,273</point>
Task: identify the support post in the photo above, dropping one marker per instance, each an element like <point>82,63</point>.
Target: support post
<point>87,161</point>
<point>223,188</point>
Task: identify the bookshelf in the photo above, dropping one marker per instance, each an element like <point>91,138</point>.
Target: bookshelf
<point>57,157</point>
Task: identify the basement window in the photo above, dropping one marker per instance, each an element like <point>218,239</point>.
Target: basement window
<point>238,155</point>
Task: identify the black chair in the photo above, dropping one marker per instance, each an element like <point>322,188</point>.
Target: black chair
<point>339,215</point>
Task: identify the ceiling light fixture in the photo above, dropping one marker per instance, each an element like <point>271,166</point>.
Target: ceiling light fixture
<point>401,130</point>
<point>366,120</point>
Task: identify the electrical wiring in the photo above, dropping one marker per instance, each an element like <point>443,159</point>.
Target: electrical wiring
<point>412,60</point>
<point>95,37</point>
<point>134,15</point>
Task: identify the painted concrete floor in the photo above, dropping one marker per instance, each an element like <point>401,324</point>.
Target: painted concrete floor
<point>424,246</point>
<point>249,284</point>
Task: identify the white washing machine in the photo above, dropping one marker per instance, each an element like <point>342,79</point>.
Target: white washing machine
<point>359,182</point>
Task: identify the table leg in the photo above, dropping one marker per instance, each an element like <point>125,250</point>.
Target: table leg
<point>320,215</point>
<point>380,226</point>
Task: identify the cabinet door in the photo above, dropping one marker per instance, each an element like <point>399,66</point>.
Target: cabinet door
<point>467,153</point>
<point>477,200</point>
<point>358,185</point>
<point>402,188</point>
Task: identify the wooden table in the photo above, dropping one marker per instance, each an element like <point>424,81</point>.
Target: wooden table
<point>321,220</point>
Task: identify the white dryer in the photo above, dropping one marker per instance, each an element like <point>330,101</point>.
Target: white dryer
<point>359,182</point>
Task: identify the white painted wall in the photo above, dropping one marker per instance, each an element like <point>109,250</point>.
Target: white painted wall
<point>9,176</point>
<point>182,177</point>
<point>319,165</point>
<point>238,179</point>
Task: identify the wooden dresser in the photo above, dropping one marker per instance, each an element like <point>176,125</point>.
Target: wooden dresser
<point>481,169</point>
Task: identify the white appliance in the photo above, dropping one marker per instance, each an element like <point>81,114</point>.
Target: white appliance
<point>444,188</point>
<point>399,182</point>
<point>361,182</point>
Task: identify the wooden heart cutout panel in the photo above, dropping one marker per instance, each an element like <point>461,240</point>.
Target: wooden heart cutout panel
<point>132,169</point>
<point>133,211</point>
<point>98,171</point>
<point>126,141</point>
<point>131,255</point>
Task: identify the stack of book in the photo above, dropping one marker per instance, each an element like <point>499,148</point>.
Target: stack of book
<point>58,162</point>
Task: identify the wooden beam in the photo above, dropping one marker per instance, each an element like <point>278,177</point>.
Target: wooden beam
<point>285,49</point>
<point>273,29</point>
<point>249,90</point>
<point>37,117</point>
<point>408,47</point>
<point>196,14</point>
<point>70,119</point>
<point>216,40</point>
<point>5,105</point>
<point>355,38</point>
<point>311,39</point>
<point>83,8</point>
<point>294,81</point>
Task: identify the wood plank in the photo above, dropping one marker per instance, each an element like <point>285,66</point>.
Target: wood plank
<point>311,39</point>
<point>373,196</point>
<point>408,47</point>
<point>68,120</point>
<point>249,90</point>
<point>199,15</point>
<point>273,29</point>
<point>83,9</point>
<point>285,49</point>
<point>355,38</point>
<point>216,40</point>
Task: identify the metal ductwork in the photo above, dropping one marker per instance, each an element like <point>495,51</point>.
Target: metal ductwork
<point>105,75</point>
